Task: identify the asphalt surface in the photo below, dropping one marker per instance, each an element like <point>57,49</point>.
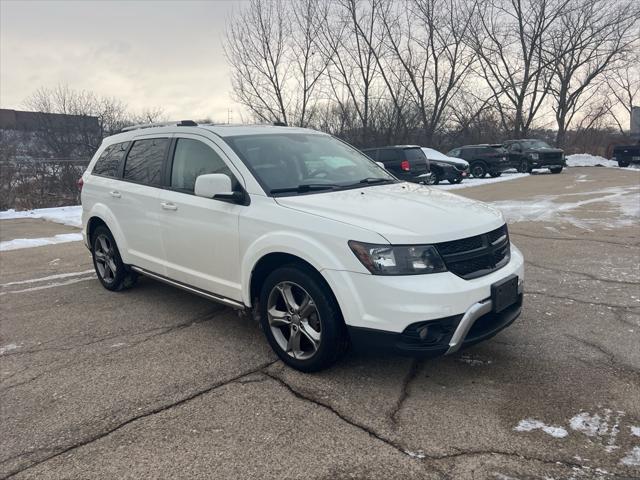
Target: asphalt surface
<point>157,383</point>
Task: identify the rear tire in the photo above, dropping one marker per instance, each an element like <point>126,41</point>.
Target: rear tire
<point>623,164</point>
<point>479,169</point>
<point>112,273</point>
<point>301,319</point>
<point>455,180</point>
<point>495,174</point>
<point>556,170</point>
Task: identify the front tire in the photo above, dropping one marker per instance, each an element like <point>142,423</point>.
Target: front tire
<point>556,170</point>
<point>495,174</point>
<point>524,167</point>
<point>456,180</point>
<point>112,273</point>
<point>622,164</point>
<point>301,319</point>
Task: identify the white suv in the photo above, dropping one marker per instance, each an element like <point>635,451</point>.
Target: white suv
<point>324,245</point>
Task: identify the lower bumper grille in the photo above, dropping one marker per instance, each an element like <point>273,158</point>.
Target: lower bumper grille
<point>476,256</point>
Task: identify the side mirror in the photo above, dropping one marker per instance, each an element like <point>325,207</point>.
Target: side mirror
<point>381,165</point>
<point>212,184</point>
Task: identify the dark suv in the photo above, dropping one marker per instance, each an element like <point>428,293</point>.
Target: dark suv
<point>407,162</point>
<point>527,154</point>
<point>626,154</point>
<point>483,159</point>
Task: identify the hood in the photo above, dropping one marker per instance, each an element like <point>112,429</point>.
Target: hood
<point>543,150</point>
<point>403,213</point>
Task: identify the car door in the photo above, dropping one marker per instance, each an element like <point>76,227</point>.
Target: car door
<point>135,202</point>
<point>200,235</point>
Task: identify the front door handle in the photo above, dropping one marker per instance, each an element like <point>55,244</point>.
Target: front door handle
<point>169,206</point>
<point>115,194</point>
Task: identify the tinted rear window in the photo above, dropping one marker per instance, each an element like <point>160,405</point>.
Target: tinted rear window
<point>108,165</point>
<point>387,155</point>
<point>144,162</point>
<point>414,154</point>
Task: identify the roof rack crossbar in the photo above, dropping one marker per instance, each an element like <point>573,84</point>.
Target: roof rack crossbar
<point>181,123</point>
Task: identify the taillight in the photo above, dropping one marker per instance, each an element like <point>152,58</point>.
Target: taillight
<point>80,183</point>
<point>404,165</point>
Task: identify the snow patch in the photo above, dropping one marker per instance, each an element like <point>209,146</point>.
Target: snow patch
<point>588,160</point>
<point>590,425</point>
<point>49,277</point>
<point>633,458</point>
<point>477,182</point>
<point>417,454</point>
<point>635,431</point>
<point>7,348</point>
<point>19,243</point>
<point>555,208</point>
<point>71,216</point>
<point>530,424</point>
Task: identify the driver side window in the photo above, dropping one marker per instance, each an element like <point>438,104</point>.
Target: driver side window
<point>191,159</point>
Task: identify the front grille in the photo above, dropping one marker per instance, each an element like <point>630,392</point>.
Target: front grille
<point>476,256</point>
<point>553,156</point>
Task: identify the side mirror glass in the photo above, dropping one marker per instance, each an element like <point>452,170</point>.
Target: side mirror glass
<point>212,184</point>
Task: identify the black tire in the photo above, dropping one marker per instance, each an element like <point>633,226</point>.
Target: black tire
<point>106,257</point>
<point>556,170</point>
<point>479,169</point>
<point>455,180</point>
<point>622,163</point>
<point>495,174</point>
<point>436,180</point>
<point>524,167</point>
<point>333,339</point>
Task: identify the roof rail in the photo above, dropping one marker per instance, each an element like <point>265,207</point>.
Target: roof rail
<point>181,123</point>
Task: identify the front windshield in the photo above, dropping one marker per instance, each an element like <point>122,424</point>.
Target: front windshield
<point>301,162</point>
<point>535,144</point>
<point>434,154</point>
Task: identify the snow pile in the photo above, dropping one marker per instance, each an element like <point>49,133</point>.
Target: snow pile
<point>39,242</point>
<point>587,160</point>
<point>71,216</point>
<point>529,424</point>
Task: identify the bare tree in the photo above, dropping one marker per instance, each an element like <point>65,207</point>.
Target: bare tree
<point>349,44</point>
<point>623,82</point>
<point>509,37</point>
<point>429,54</point>
<point>256,49</point>
<point>586,42</point>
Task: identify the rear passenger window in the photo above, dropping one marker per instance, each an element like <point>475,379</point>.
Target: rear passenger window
<point>387,155</point>
<point>191,159</point>
<point>144,162</point>
<point>108,165</point>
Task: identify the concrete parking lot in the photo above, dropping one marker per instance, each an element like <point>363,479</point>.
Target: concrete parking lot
<point>157,383</point>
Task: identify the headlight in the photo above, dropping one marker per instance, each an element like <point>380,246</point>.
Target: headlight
<point>398,260</point>
<point>534,156</point>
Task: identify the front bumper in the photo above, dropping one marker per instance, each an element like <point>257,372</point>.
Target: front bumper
<point>441,336</point>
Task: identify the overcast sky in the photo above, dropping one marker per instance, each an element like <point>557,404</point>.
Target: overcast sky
<point>164,54</point>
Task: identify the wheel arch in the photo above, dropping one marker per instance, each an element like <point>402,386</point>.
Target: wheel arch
<point>101,215</point>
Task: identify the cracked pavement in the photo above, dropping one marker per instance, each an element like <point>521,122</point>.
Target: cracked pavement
<point>157,383</point>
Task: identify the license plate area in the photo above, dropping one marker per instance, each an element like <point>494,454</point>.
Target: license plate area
<point>504,293</point>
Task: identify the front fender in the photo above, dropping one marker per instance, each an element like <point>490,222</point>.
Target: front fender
<point>297,244</point>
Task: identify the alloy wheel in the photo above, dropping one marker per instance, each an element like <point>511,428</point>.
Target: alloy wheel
<point>294,320</point>
<point>104,253</point>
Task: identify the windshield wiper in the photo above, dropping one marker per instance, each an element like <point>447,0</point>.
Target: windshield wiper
<point>306,187</point>
<point>375,180</point>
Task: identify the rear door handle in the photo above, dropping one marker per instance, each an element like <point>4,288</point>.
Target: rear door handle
<point>115,194</point>
<point>169,206</point>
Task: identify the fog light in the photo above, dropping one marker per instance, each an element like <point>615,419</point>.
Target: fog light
<point>423,332</point>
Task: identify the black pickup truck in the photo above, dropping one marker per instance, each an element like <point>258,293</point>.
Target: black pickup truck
<point>527,154</point>
<point>625,155</point>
